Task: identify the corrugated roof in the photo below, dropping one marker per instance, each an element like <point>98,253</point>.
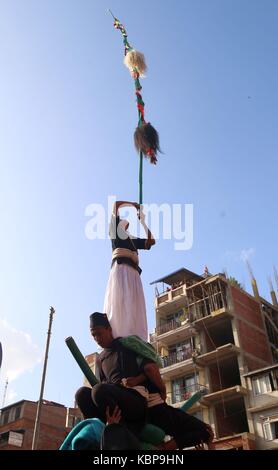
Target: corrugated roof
<point>181,274</point>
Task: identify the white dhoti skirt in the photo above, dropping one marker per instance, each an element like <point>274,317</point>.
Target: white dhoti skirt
<point>124,302</point>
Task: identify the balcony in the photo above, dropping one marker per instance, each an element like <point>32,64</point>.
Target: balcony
<point>208,301</point>
<point>179,362</point>
<point>220,354</point>
<point>171,299</point>
<point>181,394</point>
<point>226,394</point>
<point>176,357</point>
<point>173,330</point>
<point>206,319</point>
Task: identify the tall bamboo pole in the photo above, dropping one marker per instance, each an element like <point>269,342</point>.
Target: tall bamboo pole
<point>39,407</point>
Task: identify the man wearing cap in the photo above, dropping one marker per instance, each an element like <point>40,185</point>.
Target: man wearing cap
<point>120,375</point>
<point>128,386</point>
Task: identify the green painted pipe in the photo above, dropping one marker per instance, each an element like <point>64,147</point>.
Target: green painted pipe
<point>84,366</point>
<point>190,402</point>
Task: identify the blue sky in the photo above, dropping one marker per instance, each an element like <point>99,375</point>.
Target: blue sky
<point>67,115</point>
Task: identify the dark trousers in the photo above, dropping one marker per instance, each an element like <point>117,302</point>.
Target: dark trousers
<point>184,428</point>
<point>94,402</point>
<point>118,437</point>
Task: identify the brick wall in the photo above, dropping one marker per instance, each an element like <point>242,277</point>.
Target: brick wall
<point>214,379</point>
<point>252,364</point>
<point>247,308</point>
<point>229,423</point>
<point>252,335</point>
<point>254,342</point>
<point>52,428</point>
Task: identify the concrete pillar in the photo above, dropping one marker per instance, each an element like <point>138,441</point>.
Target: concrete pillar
<point>255,288</point>
<point>169,392</point>
<point>272,293</point>
<point>274,298</point>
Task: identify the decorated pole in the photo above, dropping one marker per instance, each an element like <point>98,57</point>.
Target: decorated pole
<point>141,178</point>
<point>146,138</point>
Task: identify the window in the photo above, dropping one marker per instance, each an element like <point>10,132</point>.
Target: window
<point>11,415</point>
<point>177,388</point>
<point>14,438</point>
<point>4,437</point>
<point>17,413</point>
<point>184,387</point>
<point>190,384</point>
<point>262,384</point>
<point>5,417</point>
<point>270,429</point>
<point>72,421</point>
<point>182,350</point>
<point>175,316</point>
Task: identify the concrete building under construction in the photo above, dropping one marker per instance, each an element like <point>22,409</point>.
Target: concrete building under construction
<point>211,335</point>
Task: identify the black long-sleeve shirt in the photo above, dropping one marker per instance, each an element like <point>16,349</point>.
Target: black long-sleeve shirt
<point>118,362</point>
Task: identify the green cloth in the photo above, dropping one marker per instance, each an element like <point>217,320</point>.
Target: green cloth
<point>87,435</point>
<point>84,436</point>
<point>143,349</point>
<point>151,434</point>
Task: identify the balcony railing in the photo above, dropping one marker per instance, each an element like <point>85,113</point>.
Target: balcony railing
<point>169,326</point>
<point>169,289</point>
<point>176,357</point>
<point>184,393</point>
<point>171,295</point>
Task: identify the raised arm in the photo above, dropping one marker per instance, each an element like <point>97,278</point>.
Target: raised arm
<point>119,204</point>
<point>150,239</point>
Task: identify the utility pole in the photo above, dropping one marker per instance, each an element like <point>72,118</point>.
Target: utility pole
<point>5,392</point>
<point>1,355</point>
<point>39,407</point>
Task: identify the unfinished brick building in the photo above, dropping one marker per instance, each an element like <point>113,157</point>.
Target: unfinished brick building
<point>210,334</point>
